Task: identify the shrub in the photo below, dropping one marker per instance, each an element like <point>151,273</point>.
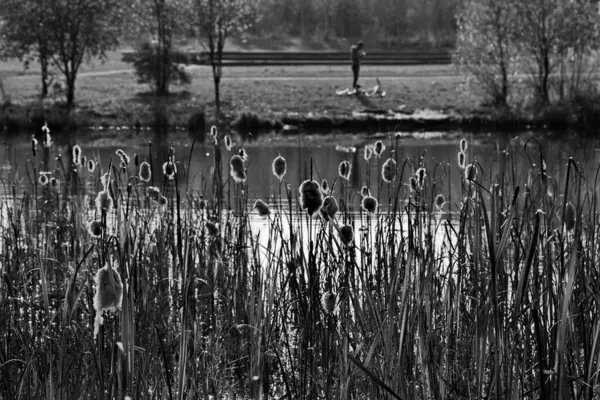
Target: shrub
<point>160,67</point>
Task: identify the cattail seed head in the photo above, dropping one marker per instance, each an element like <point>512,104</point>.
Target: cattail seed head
<point>344,170</point>
<point>109,290</point>
<point>311,197</point>
<point>236,166</point>
<point>570,216</point>
<point>47,138</point>
<point>125,159</point>
<point>153,193</point>
<point>43,179</point>
<point>328,302</point>
<point>379,148</point>
<point>136,159</point>
<point>243,155</point>
<point>329,208</point>
<point>463,145</point>
<point>421,174</point>
<point>368,153</point>
<point>346,234</point>
<point>76,155</point>
<point>169,170</point>
<point>364,191</point>
<point>53,181</point>
<point>104,202</point>
<point>279,167</point>
<point>95,228</point>
<point>91,166</point>
<point>369,204</point>
<point>34,144</point>
<point>228,142</point>
<point>83,161</point>
<point>262,208</point>
<point>388,171</point>
<point>413,183</point>
<point>470,172</point>
<point>439,201</point>
<point>162,201</point>
<point>211,229</point>
<point>325,189</point>
<point>462,160</point>
<point>145,172</point>
<point>214,133</point>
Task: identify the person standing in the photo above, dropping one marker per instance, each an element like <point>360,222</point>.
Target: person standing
<point>357,53</point>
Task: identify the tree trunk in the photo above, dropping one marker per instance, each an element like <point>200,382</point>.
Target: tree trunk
<point>44,69</point>
<point>217,80</point>
<point>70,91</point>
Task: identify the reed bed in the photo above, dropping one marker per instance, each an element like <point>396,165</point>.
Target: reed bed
<point>122,283</point>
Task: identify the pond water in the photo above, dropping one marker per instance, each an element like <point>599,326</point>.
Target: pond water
<point>316,154</point>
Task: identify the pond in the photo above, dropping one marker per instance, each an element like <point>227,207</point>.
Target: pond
<point>316,155</point>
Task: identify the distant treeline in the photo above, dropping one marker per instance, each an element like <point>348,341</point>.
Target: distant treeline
<point>385,22</point>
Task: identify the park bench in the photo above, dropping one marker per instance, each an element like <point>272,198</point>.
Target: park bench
<point>283,58</point>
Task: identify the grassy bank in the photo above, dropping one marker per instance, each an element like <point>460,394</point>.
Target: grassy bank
<point>154,293</point>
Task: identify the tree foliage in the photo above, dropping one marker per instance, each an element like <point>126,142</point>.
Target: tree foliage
<point>553,41</point>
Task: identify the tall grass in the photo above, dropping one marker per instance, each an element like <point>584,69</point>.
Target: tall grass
<point>493,295</point>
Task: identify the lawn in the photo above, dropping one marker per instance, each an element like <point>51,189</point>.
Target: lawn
<point>109,93</point>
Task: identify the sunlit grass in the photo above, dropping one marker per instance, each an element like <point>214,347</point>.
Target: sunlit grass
<point>211,294</point>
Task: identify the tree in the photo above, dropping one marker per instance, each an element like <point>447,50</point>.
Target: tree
<point>484,45</point>
<point>216,20</point>
<point>163,20</point>
<point>80,29</point>
<point>24,33</point>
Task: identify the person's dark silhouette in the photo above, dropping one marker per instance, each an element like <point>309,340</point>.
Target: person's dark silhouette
<point>356,52</point>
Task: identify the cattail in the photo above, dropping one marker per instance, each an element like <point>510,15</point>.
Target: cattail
<point>379,148</point>
<point>325,187</point>
<point>439,201</point>
<point>105,180</point>
<point>330,207</point>
<point>145,172</point>
<point>463,145</point>
<point>47,137</point>
<point>570,216</point>
<point>344,169</point>
<point>243,155</point>
<point>43,179</point>
<point>53,181</point>
<point>279,167</point>
<point>228,143</point>
<point>104,202</point>
<point>169,170</point>
<point>413,184</point>
<point>125,159</point>
<point>136,159</point>
<point>364,191</point>
<point>369,204</point>
<point>214,133</point>
<point>368,153</point>
<point>162,201</point>
<point>77,155</point>
<point>34,144</point>
<point>388,171</point>
<point>346,234</point>
<point>109,290</point>
<point>83,161</point>
<point>212,229</point>
<point>328,302</point>
<point>153,193</point>
<point>91,166</point>
<point>421,174</point>
<point>262,208</point>
<point>95,228</point>
<point>311,197</point>
<point>462,160</point>
<point>470,172</point>
<point>236,166</point>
